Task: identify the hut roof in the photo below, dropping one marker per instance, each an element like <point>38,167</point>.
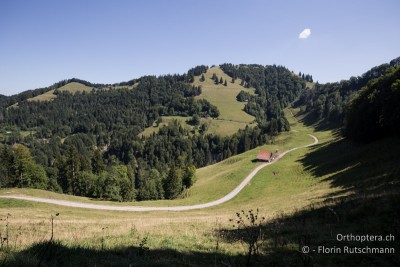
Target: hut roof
<point>264,155</point>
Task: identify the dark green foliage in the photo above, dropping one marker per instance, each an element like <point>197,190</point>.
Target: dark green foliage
<point>152,187</point>
<point>189,177</point>
<point>276,87</point>
<point>18,168</point>
<point>104,111</point>
<point>173,183</point>
<point>329,101</point>
<point>195,120</point>
<point>306,77</point>
<point>85,184</point>
<point>97,162</point>
<point>7,165</point>
<point>197,71</point>
<point>374,112</point>
<point>244,96</point>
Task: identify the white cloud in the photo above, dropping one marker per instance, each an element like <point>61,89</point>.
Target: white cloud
<point>305,34</point>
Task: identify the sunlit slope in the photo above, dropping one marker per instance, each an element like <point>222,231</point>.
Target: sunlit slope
<point>232,116</point>
<point>72,87</point>
<point>224,97</point>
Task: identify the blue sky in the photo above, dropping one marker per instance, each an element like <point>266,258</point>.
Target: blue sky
<point>42,42</point>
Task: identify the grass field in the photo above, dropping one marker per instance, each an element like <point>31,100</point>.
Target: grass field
<point>70,87</point>
<point>310,85</point>
<point>119,87</point>
<point>215,126</point>
<point>165,121</point>
<point>305,182</point>
<point>224,97</point>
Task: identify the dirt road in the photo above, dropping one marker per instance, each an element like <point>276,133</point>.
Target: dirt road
<point>226,198</point>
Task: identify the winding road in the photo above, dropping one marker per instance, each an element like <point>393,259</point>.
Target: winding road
<point>224,199</point>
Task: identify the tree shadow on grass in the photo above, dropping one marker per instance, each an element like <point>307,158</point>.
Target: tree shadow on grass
<point>59,255</point>
<point>313,120</point>
<point>357,168</point>
<point>317,227</point>
<point>367,202</point>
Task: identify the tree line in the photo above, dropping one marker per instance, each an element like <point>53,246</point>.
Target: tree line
<point>328,102</point>
<point>161,166</point>
<point>374,112</point>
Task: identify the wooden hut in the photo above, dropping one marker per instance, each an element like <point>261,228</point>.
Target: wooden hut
<point>264,156</point>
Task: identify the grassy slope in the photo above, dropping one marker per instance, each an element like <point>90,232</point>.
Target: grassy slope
<point>232,117</point>
<point>166,120</point>
<point>70,87</point>
<point>224,97</point>
<point>310,85</point>
<point>329,171</point>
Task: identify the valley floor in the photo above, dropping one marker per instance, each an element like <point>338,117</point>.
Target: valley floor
<point>306,197</point>
<point>223,199</point>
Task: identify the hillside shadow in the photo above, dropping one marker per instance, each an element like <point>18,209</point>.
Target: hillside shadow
<point>312,120</point>
<point>366,202</point>
<point>316,226</point>
<point>57,254</point>
<point>359,168</point>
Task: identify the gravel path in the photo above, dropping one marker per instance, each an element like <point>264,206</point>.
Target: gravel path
<point>226,198</point>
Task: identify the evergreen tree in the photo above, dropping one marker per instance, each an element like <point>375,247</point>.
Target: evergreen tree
<point>173,183</point>
<point>28,173</point>
<point>22,164</point>
<point>152,187</point>
<point>190,176</point>
<point>97,162</point>
<point>216,80</point>
<point>6,165</point>
<point>195,120</point>
<point>73,166</point>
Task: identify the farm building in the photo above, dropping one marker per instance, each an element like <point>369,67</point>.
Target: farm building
<point>264,156</point>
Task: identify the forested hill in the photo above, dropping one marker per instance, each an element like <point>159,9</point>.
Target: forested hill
<point>276,87</point>
<point>375,112</point>
<point>23,96</point>
<point>327,103</point>
<point>88,143</point>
